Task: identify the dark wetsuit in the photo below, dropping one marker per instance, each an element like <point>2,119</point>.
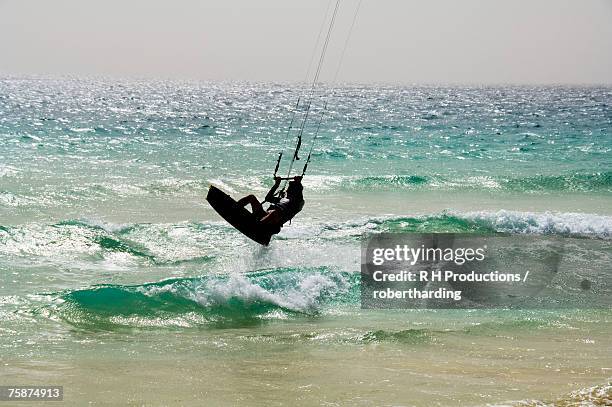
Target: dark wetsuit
<point>287,207</point>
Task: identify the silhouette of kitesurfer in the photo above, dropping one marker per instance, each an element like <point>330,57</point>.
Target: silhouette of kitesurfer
<point>283,206</point>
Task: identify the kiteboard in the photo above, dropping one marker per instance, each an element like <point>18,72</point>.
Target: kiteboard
<point>237,216</point>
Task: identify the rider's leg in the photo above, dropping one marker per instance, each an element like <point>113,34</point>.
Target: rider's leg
<point>256,207</point>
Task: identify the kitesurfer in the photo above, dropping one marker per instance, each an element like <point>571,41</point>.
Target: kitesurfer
<point>283,206</point>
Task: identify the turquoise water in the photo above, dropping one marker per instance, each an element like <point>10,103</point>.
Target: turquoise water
<point>110,256</point>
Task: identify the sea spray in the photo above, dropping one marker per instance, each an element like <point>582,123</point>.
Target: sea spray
<point>209,299</point>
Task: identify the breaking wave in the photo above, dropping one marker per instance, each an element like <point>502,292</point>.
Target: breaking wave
<point>600,395</point>
<point>195,242</point>
<point>225,300</point>
<point>483,222</point>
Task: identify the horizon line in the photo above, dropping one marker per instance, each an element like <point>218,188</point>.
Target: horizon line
<point>382,83</point>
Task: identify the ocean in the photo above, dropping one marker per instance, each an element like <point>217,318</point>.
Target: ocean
<point>121,283</point>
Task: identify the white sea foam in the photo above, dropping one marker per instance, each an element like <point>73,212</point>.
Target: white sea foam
<point>8,199</point>
<point>107,226</point>
<point>543,223</point>
<point>7,170</point>
<point>300,294</point>
<point>45,241</point>
<point>588,397</point>
<point>304,296</point>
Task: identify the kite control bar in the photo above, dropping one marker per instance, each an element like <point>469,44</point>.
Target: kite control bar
<point>287,178</point>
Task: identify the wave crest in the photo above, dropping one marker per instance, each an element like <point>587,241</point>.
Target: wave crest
<point>515,222</point>
<point>225,299</point>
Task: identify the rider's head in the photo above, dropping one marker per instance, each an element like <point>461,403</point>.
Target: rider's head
<point>294,190</point>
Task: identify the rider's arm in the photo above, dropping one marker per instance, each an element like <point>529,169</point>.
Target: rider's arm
<point>270,196</point>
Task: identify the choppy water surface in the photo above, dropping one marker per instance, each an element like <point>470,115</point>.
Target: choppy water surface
<point>112,261</point>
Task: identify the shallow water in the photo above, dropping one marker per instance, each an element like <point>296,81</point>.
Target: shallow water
<point>120,282</point>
